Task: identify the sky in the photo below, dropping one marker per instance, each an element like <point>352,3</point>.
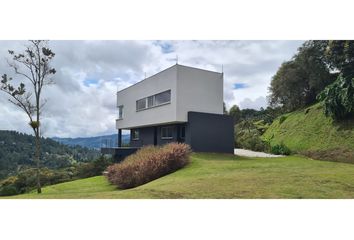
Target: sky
<point>82,101</point>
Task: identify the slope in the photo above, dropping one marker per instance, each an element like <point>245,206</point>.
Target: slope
<point>310,132</point>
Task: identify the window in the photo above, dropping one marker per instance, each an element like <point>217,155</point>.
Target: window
<point>166,132</point>
<point>141,104</point>
<point>154,100</point>
<point>151,101</point>
<point>182,132</point>
<point>135,134</point>
<point>163,97</point>
<point>120,112</point>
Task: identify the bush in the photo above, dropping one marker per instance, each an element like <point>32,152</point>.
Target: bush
<point>8,190</point>
<point>94,168</point>
<point>147,164</point>
<point>280,149</point>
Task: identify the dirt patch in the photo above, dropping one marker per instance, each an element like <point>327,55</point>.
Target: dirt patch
<point>335,155</point>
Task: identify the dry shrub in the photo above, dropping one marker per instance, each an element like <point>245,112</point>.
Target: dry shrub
<point>147,164</point>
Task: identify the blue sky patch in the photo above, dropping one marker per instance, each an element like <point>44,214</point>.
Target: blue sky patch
<point>165,46</point>
<point>88,82</point>
<point>240,85</point>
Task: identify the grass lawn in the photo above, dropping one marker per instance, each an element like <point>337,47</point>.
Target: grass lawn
<point>226,176</point>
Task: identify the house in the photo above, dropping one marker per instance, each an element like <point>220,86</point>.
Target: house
<point>178,104</point>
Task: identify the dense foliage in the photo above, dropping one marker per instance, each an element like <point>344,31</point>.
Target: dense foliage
<point>338,98</point>
<point>248,135</point>
<point>298,81</point>
<point>25,180</point>
<point>267,115</point>
<point>147,164</point>
<point>16,153</point>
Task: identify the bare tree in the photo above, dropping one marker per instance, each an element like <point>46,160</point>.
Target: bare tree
<point>33,67</point>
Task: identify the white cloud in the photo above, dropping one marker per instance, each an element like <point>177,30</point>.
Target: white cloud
<point>78,109</point>
<point>260,102</point>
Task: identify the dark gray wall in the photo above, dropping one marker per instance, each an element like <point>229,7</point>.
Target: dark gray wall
<point>205,132</point>
<point>147,136</point>
<point>208,132</point>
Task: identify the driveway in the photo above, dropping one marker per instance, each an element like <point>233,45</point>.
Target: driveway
<point>249,153</point>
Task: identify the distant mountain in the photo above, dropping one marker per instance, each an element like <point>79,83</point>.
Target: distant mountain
<point>94,142</point>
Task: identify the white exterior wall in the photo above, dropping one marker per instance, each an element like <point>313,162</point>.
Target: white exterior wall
<point>199,91</point>
<point>191,90</point>
<point>127,97</point>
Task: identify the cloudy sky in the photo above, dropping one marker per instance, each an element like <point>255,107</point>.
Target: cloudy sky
<point>82,103</point>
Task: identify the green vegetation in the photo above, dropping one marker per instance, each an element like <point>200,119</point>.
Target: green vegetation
<point>16,153</point>
<point>226,176</point>
<point>25,180</point>
<point>338,98</point>
<point>310,132</point>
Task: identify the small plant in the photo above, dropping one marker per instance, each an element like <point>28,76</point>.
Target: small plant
<point>147,164</point>
<point>280,149</point>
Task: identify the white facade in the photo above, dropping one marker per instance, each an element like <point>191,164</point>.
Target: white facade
<point>192,89</point>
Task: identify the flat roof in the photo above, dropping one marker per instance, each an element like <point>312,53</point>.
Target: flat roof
<point>175,65</point>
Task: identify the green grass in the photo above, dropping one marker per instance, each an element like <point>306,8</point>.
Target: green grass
<point>310,130</point>
<point>226,176</point>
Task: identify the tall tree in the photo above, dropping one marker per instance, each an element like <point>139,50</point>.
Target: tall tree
<point>340,57</point>
<point>33,67</point>
<point>338,98</point>
<point>298,81</point>
<point>235,112</point>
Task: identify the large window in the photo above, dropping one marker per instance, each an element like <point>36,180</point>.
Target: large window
<point>134,134</point>
<point>154,100</point>
<point>166,132</point>
<point>120,112</point>
<point>163,97</point>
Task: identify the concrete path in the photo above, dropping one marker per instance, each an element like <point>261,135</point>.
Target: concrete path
<point>249,153</point>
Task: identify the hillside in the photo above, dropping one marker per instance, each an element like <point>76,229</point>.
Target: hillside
<point>310,132</point>
<point>17,152</point>
<point>225,176</point>
<point>93,142</point>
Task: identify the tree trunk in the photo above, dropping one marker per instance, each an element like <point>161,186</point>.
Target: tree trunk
<point>38,152</point>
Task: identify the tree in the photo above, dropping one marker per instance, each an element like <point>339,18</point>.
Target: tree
<point>298,81</point>
<point>224,108</point>
<point>33,66</point>
<point>340,57</point>
<point>338,98</point>
<point>235,112</point>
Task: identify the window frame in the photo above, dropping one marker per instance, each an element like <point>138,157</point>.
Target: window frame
<point>167,127</point>
<point>120,112</point>
<point>153,97</point>
<point>133,134</point>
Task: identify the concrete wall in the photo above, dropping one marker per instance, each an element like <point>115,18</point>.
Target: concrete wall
<point>147,136</point>
<point>210,132</point>
<point>192,89</point>
<point>160,82</point>
<point>198,90</point>
<point>205,132</point>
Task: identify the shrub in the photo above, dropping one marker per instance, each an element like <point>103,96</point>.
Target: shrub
<point>94,168</point>
<point>8,190</point>
<point>147,164</point>
<point>280,149</point>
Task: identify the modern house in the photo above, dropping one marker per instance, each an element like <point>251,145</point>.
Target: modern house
<point>178,104</point>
